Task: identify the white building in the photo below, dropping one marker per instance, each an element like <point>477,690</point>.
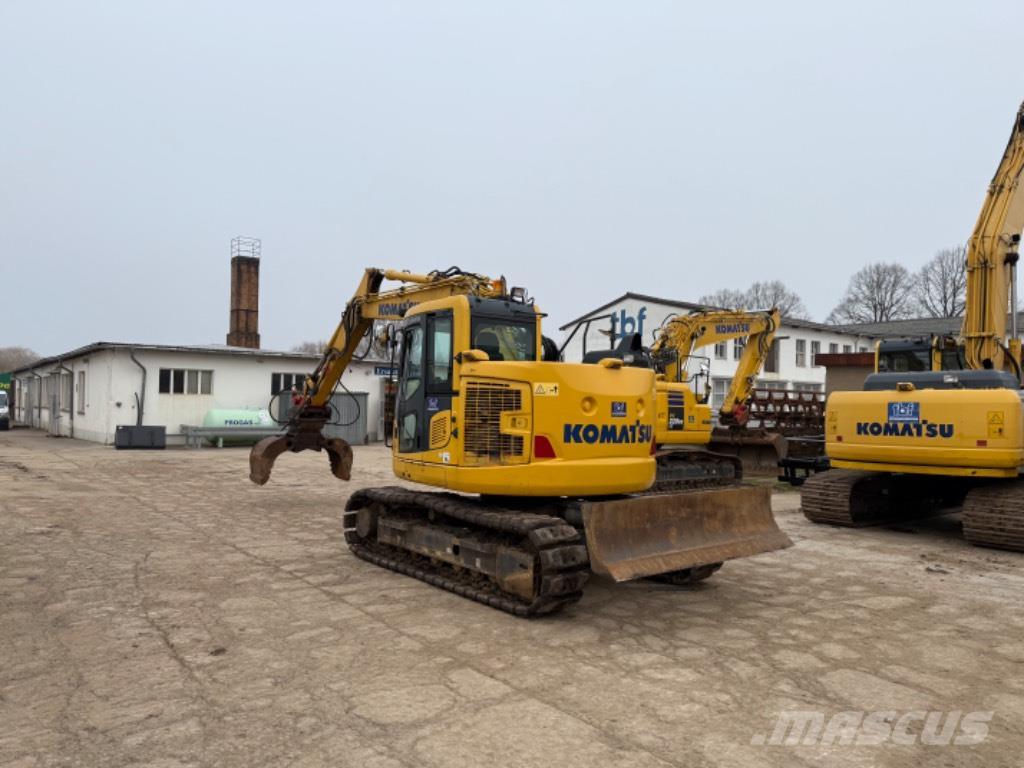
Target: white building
<point>88,392</point>
<point>790,365</point>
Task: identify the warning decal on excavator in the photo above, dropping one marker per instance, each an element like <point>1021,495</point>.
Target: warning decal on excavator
<point>546,389</point>
<point>995,424</point>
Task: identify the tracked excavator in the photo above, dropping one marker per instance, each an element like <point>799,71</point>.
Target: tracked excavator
<point>942,424</point>
<point>546,466</point>
<point>683,420</point>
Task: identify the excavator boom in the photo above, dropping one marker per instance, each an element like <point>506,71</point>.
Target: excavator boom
<point>682,334</point>
<point>992,256</point>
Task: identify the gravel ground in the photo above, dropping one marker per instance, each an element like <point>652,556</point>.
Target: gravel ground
<point>157,609</point>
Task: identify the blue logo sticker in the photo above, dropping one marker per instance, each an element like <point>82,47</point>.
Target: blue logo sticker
<point>619,408</point>
<point>905,412</point>
<point>432,404</point>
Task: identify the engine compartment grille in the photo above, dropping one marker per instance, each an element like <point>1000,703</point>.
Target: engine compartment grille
<point>484,441</point>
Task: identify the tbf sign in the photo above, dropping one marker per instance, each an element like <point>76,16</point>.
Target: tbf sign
<point>624,324</point>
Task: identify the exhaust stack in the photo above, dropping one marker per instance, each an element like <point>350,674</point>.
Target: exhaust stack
<point>244,322</point>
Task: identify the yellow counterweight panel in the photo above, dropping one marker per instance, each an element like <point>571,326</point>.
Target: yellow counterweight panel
<point>928,431</point>
<point>598,423</point>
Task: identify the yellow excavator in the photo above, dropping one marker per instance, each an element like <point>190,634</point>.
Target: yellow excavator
<point>550,462</point>
<point>920,438</point>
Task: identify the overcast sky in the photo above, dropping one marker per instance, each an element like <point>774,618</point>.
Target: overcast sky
<point>580,148</point>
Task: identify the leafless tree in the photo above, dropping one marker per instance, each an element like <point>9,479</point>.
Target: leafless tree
<point>877,293</point>
<point>726,298</point>
<point>12,358</point>
<point>310,347</point>
<point>774,293</point>
<point>378,350</point>
<point>942,283</point>
<point>760,295</point>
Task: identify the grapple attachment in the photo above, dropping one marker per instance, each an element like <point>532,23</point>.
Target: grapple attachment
<point>660,533</point>
<point>266,451</point>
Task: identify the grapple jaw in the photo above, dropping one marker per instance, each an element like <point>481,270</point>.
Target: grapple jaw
<point>305,433</point>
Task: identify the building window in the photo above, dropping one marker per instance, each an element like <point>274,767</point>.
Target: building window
<point>283,382</point>
<point>65,392</point>
<point>862,349</point>
<point>737,348</point>
<point>185,381</point>
<point>833,348</point>
<point>807,386</point>
<point>771,362</point>
<point>81,392</point>
<point>720,350</point>
<point>718,389</point>
<point>801,352</point>
<point>815,351</point>
<point>847,348</point>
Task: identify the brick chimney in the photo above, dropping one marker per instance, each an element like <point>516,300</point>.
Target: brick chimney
<point>244,322</point>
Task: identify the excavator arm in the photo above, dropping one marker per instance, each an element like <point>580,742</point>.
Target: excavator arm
<point>682,334</point>
<point>304,430</point>
<point>992,255</point>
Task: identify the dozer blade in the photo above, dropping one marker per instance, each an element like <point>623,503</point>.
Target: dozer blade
<point>266,451</point>
<point>660,533</point>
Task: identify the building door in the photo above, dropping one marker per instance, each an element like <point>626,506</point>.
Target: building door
<point>27,402</point>
<point>55,411</point>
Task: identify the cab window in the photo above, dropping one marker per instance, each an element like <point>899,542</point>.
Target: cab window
<point>504,339</point>
<point>439,366</point>
<point>412,370</point>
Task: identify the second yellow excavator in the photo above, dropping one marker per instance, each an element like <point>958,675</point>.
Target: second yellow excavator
<point>684,422</point>
<point>942,422</point>
<point>551,462</point>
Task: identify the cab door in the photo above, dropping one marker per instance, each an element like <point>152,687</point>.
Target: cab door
<point>411,390</point>
<point>425,384</point>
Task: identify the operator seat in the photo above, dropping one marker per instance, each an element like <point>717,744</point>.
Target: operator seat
<point>487,341</point>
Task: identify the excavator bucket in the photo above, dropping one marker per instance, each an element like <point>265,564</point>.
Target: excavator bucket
<point>660,533</point>
<point>266,451</point>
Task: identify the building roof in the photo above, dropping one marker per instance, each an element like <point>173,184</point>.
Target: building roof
<point>917,326</point>
<point>920,326</point>
<point>208,349</point>
<point>793,322</point>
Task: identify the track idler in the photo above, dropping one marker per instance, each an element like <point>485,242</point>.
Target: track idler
<point>304,434</point>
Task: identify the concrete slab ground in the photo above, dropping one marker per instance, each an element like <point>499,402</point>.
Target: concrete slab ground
<point>157,609</point>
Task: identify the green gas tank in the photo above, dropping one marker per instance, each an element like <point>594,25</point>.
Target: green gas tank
<point>236,417</point>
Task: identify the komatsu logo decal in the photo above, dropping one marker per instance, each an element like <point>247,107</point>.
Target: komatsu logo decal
<point>607,433</point>
<point>732,328</point>
<point>397,308</point>
<point>904,429</point>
